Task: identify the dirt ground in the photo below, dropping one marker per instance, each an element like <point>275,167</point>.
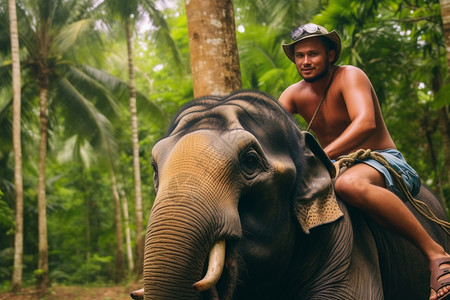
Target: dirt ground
<point>75,293</point>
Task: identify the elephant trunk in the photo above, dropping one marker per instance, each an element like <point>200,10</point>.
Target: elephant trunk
<point>194,212</point>
<point>171,265</point>
<point>180,246</point>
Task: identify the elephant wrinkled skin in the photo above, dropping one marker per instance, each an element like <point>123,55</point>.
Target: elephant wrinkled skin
<point>233,174</point>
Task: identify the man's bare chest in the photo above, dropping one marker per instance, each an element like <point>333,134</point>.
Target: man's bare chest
<point>331,113</point>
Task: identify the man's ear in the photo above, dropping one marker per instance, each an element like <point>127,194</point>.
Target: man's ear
<point>331,55</point>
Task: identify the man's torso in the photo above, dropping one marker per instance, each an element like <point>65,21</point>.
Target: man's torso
<point>333,118</point>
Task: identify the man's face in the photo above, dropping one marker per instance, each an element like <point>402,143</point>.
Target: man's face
<point>312,59</point>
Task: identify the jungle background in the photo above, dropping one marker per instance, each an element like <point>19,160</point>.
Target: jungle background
<point>100,81</point>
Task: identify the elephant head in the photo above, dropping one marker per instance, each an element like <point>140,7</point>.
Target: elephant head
<point>234,180</point>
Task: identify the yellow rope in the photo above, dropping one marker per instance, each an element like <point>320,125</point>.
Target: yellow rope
<point>420,206</point>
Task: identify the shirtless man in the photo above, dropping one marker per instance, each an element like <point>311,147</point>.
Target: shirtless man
<point>350,119</point>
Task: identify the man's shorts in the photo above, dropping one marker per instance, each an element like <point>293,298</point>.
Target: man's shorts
<point>399,164</point>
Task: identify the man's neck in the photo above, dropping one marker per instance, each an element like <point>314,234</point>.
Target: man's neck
<point>321,84</point>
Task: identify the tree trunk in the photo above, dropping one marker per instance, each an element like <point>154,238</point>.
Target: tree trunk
<point>16,283</point>
<point>127,230</point>
<point>87,223</point>
<point>213,47</point>
<point>43,276</point>
<point>136,164</point>
<point>120,269</point>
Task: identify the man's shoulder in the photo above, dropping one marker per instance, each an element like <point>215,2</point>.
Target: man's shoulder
<point>294,89</point>
<point>348,74</point>
<point>292,97</point>
<point>296,85</point>
<point>349,70</point>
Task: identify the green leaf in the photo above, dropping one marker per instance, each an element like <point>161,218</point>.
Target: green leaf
<point>442,97</point>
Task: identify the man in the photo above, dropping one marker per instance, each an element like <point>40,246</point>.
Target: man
<point>348,119</point>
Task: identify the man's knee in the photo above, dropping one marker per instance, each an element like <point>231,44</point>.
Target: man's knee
<point>350,188</point>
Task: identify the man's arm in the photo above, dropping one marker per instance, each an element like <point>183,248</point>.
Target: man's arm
<point>357,93</point>
<point>287,100</point>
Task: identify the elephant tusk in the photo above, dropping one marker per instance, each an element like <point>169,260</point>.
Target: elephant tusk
<point>138,295</point>
<point>215,267</point>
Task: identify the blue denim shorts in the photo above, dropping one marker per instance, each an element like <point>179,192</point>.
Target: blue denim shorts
<point>399,164</point>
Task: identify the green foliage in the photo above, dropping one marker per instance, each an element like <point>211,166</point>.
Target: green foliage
<point>263,63</point>
<point>96,269</point>
<point>6,258</point>
<point>442,98</point>
<point>6,216</point>
<point>399,44</point>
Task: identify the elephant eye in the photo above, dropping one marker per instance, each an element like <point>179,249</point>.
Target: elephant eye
<point>155,175</point>
<point>250,163</point>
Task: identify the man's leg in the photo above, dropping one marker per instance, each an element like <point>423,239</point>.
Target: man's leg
<point>363,186</point>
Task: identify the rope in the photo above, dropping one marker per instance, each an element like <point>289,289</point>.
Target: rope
<point>321,100</point>
<point>420,206</point>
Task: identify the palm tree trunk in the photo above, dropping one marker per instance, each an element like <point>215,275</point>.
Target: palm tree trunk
<point>16,283</point>
<point>43,276</point>
<point>119,272</point>
<point>213,47</point>
<point>136,164</point>
<point>127,230</point>
<point>87,219</point>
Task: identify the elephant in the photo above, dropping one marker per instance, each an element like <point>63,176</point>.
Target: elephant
<point>245,209</point>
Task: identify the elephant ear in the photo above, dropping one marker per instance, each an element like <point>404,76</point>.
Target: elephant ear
<point>315,201</point>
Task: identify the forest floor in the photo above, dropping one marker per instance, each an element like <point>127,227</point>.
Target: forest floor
<point>75,293</point>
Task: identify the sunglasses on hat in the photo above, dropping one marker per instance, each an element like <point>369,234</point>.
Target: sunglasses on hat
<point>307,29</point>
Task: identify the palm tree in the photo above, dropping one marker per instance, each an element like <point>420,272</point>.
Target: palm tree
<point>127,230</point>
<point>213,47</point>
<point>51,31</point>
<point>16,282</point>
<point>135,142</point>
<point>119,269</point>
<point>128,12</point>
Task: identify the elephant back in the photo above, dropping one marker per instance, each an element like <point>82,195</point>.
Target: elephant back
<point>403,267</point>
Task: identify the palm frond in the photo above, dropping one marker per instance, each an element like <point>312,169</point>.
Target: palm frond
<point>77,148</point>
<point>69,35</point>
<point>162,33</point>
<point>5,114</point>
<point>5,74</point>
<point>27,28</point>
<point>86,119</point>
<point>94,88</point>
<point>120,88</point>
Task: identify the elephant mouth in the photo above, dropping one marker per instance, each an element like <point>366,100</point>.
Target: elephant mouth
<point>220,273</point>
